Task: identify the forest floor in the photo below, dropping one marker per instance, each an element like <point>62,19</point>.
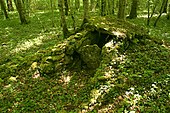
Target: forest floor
<point>142,84</point>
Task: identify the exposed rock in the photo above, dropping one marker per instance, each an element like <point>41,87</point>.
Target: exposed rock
<point>90,55</point>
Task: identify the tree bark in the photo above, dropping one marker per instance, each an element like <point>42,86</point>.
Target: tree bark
<point>77,4</point>
<point>9,5</point>
<point>52,11</point>
<point>133,12</point>
<point>103,7</point>
<point>98,4</point>
<point>148,20</point>
<point>63,20</point>
<point>111,7</point>
<point>165,7</point>
<point>21,10</point>
<point>86,10</point>
<point>72,14</point>
<point>122,9</point>
<point>66,7</point>
<point>168,15</point>
<point>3,7</point>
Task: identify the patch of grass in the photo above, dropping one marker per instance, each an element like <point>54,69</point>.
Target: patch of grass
<point>146,75</point>
<point>19,42</point>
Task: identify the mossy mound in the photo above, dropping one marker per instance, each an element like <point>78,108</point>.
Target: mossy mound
<point>85,50</point>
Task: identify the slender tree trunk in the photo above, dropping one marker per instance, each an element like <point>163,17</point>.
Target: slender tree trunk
<point>86,10</point>
<point>21,10</point>
<point>154,8</point>
<point>68,2</point>
<point>122,9</point>
<point>3,8</point>
<point>133,12</point>
<point>52,11</point>
<point>160,12</point>
<point>72,14</point>
<point>111,7</point>
<point>148,20</point>
<point>9,5</point>
<point>63,20</point>
<point>153,11</point>
<point>165,7</point>
<point>77,4</point>
<point>103,7</point>
<point>98,4</point>
<point>66,7</point>
<point>168,15</point>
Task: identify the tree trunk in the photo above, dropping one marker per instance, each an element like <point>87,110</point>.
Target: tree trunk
<point>161,11</point>
<point>168,15</point>
<point>63,20</point>
<point>103,7</point>
<point>68,2</point>
<point>133,12</point>
<point>148,20</point>
<point>86,10</point>
<point>154,8</point>
<point>111,7</point>
<point>3,7</point>
<point>66,7</point>
<point>52,11</point>
<point>122,9</point>
<point>72,14</point>
<point>98,4</point>
<point>9,5</point>
<point>21,10</point>
<point>165,7</point>
<point>77,4</point>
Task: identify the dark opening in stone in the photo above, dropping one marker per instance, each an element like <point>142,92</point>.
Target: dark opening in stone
<point>99,38</point>
<point>88,55</point>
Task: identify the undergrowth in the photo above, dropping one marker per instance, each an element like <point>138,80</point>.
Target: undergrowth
<point>146,72</point>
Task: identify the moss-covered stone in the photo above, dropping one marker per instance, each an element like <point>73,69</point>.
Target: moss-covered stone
<point>70,49</point>
<point>68,59</point>
<point>88,47</point>
<point>58,57</point>
<point>47,68</point>
<point>90,54</point>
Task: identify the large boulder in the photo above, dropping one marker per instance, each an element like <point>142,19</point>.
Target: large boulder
<point>90,55</point>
